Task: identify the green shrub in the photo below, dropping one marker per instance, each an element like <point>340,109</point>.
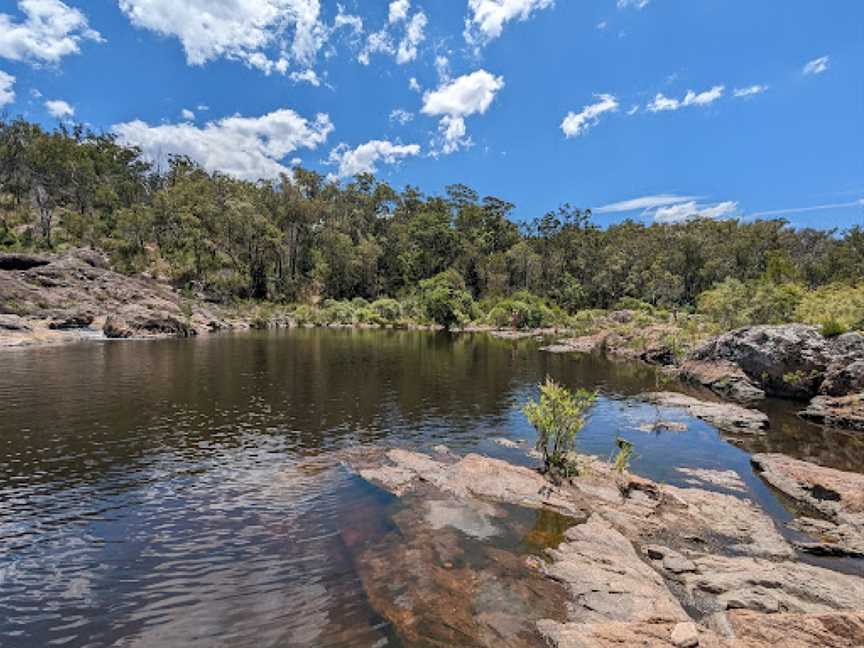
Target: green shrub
<point>522,311</point>
<point>833,328</point>
<point>624,456</point>
<point>388,310</point>
<point>734,304</point>
<point>335,312</point>
<point>558,417</point>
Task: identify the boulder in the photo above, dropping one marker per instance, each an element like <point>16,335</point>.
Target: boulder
<point>843,379</point>
<point>725,416</point>
<point>745,629</point>
<point>72,321</point>
<point>9,262</point>
<point>787,361</point>
<point>139,321</point>
<point>13,323</point>
<point>723,378</point>
<point>840,412</point>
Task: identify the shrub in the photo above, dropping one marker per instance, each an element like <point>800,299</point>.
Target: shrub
<point>734,304</point>
<point>833,328</point>
<point>335,312</point>
<point>558,417</point>
<point>624,456</point>
<point>522,311</point>
<point>388,310</point>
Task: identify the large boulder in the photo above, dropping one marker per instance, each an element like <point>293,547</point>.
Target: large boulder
<point>723,378</point>
<point>788,361</point>
<point>840,412</point>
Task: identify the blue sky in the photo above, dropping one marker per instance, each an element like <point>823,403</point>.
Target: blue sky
<point>644,109</point>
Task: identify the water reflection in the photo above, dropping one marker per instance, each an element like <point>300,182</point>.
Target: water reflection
<point>186,492</point>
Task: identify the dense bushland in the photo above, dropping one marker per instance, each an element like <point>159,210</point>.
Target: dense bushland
<point>365,252</point>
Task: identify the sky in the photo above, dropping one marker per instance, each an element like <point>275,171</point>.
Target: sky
<point>652,110</point>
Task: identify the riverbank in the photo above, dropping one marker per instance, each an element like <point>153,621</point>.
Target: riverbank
<point>613,559</point>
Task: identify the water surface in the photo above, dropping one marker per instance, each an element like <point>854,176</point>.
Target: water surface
<point>187,492</point>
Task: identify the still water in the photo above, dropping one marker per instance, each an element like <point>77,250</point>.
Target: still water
<point>189,492</point>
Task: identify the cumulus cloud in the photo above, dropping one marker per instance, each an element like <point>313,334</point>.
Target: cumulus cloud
<point>187,114</point>
<point>662,103</point>
<point>50,30</point>
<point>414,85</point>
<point>690,210</point>
<point>486,18</point>
<point>816,66</point>
<point>59,109</point>
<point>399,11</point>
<point>365,157</point>
<point>242,30</point>
<point>644,203</point>
<point>7,88</point>
<point>383,41</point>
<point>576,124</point>
<point>467,95</point>
<point>306,76</point>
<point>245,147</point>
<point>749,91</point>
<point>401,116</point>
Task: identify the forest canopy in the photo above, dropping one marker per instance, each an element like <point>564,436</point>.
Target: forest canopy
<point>306,239</point>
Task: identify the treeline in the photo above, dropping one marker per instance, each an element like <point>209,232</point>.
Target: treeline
<point>304,239</point>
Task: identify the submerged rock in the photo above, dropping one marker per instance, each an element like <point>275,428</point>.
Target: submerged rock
<point>725,416</point>
<point>723,378</point>
<point>728,479</point>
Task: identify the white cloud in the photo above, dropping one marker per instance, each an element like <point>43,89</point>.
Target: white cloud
<point>59,109</point>
<point>636,4</point>
<point>202,107</point>
<point>644,203</point>
<point>49,31</point>
<point>486,18</point>
<point>242,30</point>
<point>414,36</point>
<point>7,88</point>
<point>576,124</point>
<point>306,76</point>
<point>467,95</point>
<point>662,103</point>
<point>383,41</point>
<point>187,114</point>
<point>803,210</point>
<point>414,85</point>
<point>364,158</point>
<point>602,25</point>
<point>816,66</point>
<point>633,110</point>
<point>689,210</point>
<point>401,116</point>
<point>399,10</point>
<point>245,147</point>
<point>750,91</point>
<point>442,67</point>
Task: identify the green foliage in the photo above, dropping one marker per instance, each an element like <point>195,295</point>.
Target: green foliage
<point>837,305</point>
<point>558,417</point>
<point>625,455</point>
<point>833,328</point>
<point>734,304</point>
<point>388,310</point>
<point>521,311</point>
<point>446,301</point>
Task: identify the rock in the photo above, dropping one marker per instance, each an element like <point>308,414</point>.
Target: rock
<point>685,635</point>
<point>138,321</point>
<point>607,580</point>
<point>10,262</point>
<point>725,416</point>
<point>664,426</point>
<point>788,361</point>
<point>723,378</point>
<point>836,494</point>
<point>728,479</point>
<point>842,380</point>
<point>584,344</point>
<point>13,323</point>
<point>72,321</point>
<point>849,346</point>
<point>742,582</point>
<point>671,560</point>
<point>621,316</point>
<point>828,630</point>
<point>620,635</point>
<point>840,412</point>
<point>837,540</point>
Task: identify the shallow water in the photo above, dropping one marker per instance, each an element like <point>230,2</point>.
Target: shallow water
<point>186,492</point>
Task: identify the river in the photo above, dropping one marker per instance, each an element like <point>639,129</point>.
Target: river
<point>189,492</point>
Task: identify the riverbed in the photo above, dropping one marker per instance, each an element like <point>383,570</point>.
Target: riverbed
<point>190,492</point>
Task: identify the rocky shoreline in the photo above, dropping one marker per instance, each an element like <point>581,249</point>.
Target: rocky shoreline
<point>635,563</point>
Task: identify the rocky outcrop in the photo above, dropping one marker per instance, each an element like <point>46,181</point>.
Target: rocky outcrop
<point>725,416</point>
<point>834,494</point>
<point>841,412</point>
<point>788,361</point>
<point>63,297</point>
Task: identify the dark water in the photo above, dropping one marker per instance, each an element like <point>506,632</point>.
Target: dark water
<point>187,493</point>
